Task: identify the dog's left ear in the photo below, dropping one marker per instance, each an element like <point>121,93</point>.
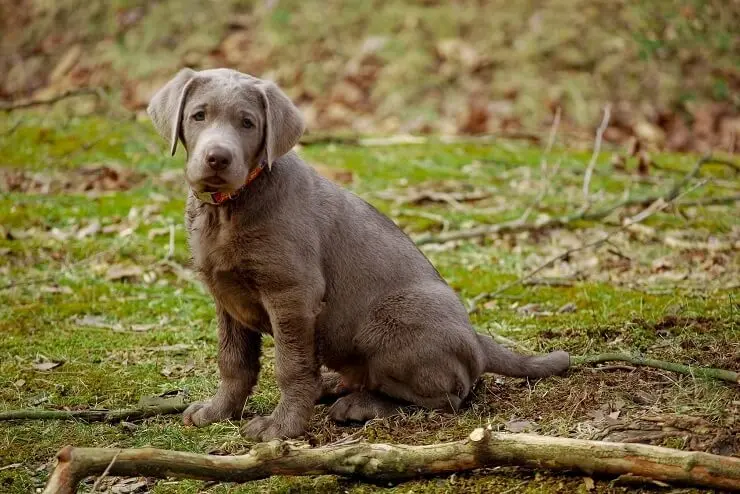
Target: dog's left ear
<point>284,124</point>
<point>166,107</point>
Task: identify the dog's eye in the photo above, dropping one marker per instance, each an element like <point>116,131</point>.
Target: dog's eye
<point>199,116</point>
<point>248,124</point>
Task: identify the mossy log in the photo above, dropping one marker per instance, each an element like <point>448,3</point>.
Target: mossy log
<point>385,462</point>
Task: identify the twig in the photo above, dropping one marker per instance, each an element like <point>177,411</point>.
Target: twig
<point>655,207</point>
<point>594,156</point>
<point>105,472</point>
<point>515,226</point>
<point>386,462</point>
<point>171,245</point>
<point>703,372</point>
<point>7,106</point>
<point>711,201</point>
<point>550,139</point>
<point>63,271</point>
<point>605,368</point>
<point>127,414</point>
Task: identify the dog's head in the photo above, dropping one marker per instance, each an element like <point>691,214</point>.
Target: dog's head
<point>228,122</point>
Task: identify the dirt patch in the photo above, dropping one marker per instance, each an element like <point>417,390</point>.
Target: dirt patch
<point>89,179</point>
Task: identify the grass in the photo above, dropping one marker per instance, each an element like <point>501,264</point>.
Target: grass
<point>57,304</point>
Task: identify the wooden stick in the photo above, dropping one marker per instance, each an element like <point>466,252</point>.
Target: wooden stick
<point>517,225</point>
<point>704,372</point>
<point>7,106</point>
<point>386,462</point>
<point>94,415</point>
<point>594,156</point>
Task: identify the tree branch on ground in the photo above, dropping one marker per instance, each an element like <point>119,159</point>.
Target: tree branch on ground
<point>110,416</point>
<point>657,205</point>
<point>567,220</point>
<point>687,370</point>
<point>7,106</point>
<point>594,156</point>
<point>393,463</point>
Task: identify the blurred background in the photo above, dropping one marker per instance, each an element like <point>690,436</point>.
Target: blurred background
<point>671,69</point>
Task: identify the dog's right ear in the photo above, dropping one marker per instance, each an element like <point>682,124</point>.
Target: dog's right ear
<point>166,107</point>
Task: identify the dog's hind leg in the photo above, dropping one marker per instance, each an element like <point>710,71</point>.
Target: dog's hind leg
<point>362,406</point>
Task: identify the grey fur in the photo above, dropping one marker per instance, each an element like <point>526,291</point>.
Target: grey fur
<point>335,282</point>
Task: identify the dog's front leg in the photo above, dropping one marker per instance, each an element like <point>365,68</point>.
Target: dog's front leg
<point>293,319</point>
<point>239,366</point>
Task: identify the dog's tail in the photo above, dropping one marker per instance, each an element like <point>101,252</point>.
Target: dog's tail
<point>503,361</point>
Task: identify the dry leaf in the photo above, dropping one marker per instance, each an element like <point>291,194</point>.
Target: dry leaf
<point>97,322</point>
<point>519,425</point>
<point>57,289</point>
<point>588,483</point>
<point>89,230</point>
<point>123,272</point>
<point>142,328</point>
<point>46,366</point>
<point>336,175</point>
<point>162,401</point>
<point>129,486</point>
<point>176,348</point>
<point>567,308</point>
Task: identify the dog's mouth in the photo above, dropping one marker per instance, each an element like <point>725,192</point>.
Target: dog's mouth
<point>213,184</point>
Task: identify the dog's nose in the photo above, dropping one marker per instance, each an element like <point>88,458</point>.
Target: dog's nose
<point>218,158</point>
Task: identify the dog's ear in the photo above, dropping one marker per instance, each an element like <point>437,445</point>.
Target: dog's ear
<point>166,107</point>
<point>283,122</point>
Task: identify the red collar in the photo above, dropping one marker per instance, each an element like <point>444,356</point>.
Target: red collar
<point>218,198</point>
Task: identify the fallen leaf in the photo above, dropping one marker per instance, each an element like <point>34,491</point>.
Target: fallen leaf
<point>336,175</point>
<point>88,231</point>
<point>128,488</point>
<point>567,308</point>
<point>57,289</point>
<point>162,401</point>
<point>97,322</point>
<point>123,272</point>
<point>19,383</point>
<point>518,425</point>
<point>176,348</point>
<point>46,366</point>
<point>142,328</point>
<point>588,483</point>
<point>39,399</point>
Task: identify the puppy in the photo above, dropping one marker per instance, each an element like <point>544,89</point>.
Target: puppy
<point>285,252</point>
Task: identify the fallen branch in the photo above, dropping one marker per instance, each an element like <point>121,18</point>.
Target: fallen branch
<point>346,139</point>
<point>7,106</point>
<point>520,224</point>
<point>594,156</point>
<point>386,462</point>
<point>711,201</point>
<point>94,415</point>
<point>658,205</point>
<point>687,370</point>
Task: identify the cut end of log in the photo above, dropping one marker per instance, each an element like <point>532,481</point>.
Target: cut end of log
<point>478,434</point>
<point>65,454</point>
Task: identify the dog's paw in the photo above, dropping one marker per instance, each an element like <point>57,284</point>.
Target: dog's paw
<point>202,414</point>
<point>347,409</point>
<point>267,428</point>
<point>361,407</point>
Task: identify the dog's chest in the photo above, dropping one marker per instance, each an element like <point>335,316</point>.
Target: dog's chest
<point>215,252</point>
